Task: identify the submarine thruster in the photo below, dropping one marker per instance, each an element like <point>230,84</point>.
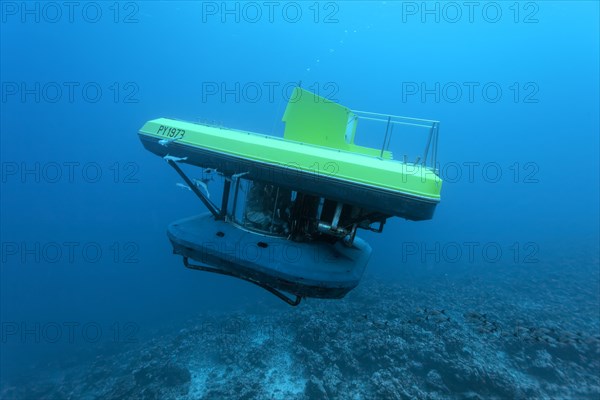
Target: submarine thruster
<point>291,207</point>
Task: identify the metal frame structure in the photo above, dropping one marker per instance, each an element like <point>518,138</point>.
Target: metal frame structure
<point>391,120</point>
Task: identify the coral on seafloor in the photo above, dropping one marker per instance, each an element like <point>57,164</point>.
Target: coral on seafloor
<point>515,336</point>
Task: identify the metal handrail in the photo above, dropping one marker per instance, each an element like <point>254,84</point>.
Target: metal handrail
<point>430,151</point>
<point>394,116</point>
<point>395,122</point>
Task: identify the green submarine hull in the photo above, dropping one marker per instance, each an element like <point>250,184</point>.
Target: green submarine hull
<point>320,188</point>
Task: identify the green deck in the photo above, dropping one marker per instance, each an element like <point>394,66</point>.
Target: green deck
<point>318,138</point>
<point>324,160</point>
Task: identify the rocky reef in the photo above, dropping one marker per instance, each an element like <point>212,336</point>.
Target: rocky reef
<point>510,335</point>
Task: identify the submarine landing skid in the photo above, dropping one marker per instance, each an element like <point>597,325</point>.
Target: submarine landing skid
<point>282,296</point>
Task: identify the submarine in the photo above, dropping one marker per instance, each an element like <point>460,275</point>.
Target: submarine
<point>291,206</point>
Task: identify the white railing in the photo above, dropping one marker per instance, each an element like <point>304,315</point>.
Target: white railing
<point>429,155</point>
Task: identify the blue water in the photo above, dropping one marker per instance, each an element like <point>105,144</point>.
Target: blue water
<point>94,304</point>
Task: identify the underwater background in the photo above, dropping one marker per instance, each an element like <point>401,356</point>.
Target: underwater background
<point>498,296</point>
